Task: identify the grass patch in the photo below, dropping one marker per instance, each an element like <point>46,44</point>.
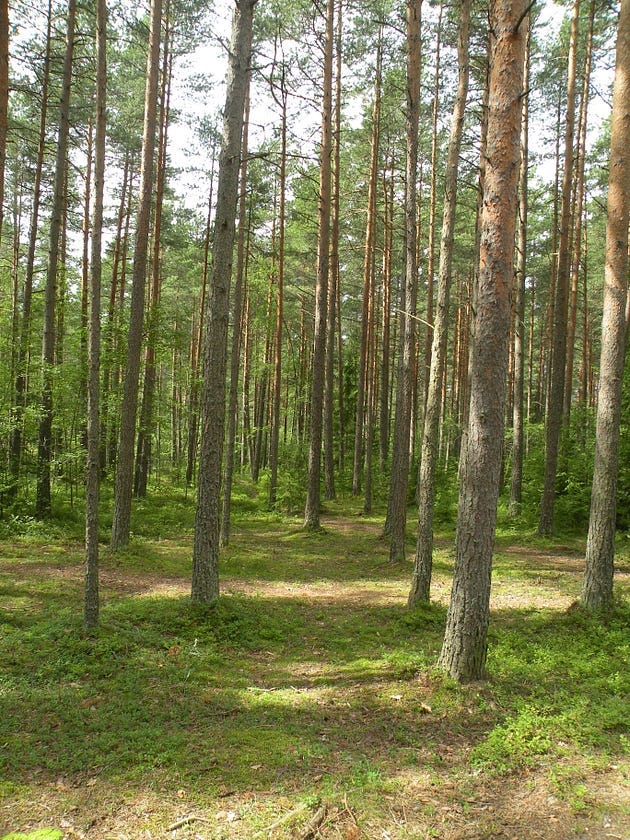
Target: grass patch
<point>309,679</point>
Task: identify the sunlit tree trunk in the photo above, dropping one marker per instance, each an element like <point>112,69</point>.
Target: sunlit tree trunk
<point>205,572</point>
<point>124,467</point>
<point>4,96</point>
<point>597,589</point>
<point>311,513</point>
<point>464,649</point>
<point>421,579</point>
<point>559,346</point>
<point>44,452</point>
<point>91,609</point>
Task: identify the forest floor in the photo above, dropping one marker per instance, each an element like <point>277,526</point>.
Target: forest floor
<point>306,703</point>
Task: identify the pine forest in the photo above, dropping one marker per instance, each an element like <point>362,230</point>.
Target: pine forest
<point>314,419</point>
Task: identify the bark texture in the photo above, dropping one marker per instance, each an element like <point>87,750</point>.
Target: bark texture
<point>205,573</point>
<point>597,590</point>
<point>465,642</point>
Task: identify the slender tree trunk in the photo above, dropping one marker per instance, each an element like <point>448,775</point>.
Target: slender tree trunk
<point>577,235</point>
<point>237,340</point>
<point>146,424</point>
<point>516,484</point>
<point>311,513</point>
<point>399,480</point>
<point>368,278</point>
<point>205,573</point>
<point>559,346</point>
<point>428,345</point>
<point>21,376</point>
<point>91,609</point>
<point>597,589</point>
<point>44,452</point>
<point>121,524</point>
<point>421,578</point>
<point>464,649</point>
<point>4,97</point>
<point>334,316</point>
<point>388,237</point>
<point>277,341</point>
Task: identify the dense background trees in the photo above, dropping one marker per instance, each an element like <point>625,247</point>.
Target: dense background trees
<point>357,213</point>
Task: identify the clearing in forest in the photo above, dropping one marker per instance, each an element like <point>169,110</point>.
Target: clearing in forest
<point>306,702</point>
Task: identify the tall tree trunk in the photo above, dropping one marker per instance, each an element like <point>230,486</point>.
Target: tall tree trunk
<point>464,649</point>
<point>193,401</point>
<point>421,578</point>
<point>368,279</point>
<point>577,216</point>
<point>333,315</point>
<point>124,467</point>
<point>311,512</point>
<point>516,484</point>
<point>145,426</point>
<point>205,572</point>
<point>237,339</point>
<point>277,340</point>
<point>559,346</point>
<point>399,480</point>
<point>92,471</point>
<point>42,502</point>
<point>4,97</point>
<point>21,376</point>
<point>428,345</point>
<point>597,589</point>
<point>388,241</point>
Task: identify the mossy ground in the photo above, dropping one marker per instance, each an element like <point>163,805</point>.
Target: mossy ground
<point>309,682</point>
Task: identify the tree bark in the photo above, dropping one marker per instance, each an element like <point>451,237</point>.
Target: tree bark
<point>421,578</point>
<point>121,524</point>
<point>205,572</point>
<point>44,452</point>
<point>92,472</point>
<point>313,491</point>
<point>597,589</point>
<point>464,649</point>
<point>4,97</point>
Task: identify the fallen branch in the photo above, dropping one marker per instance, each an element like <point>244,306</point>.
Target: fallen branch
<point>282,821</point>
<point>310,829</point>
<point>186,820</point>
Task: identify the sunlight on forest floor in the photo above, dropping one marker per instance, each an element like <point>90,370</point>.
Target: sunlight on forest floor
<point>307,697</point>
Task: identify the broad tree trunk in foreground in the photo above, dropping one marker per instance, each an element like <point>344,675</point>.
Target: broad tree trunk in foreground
<point>124,466</point>
<point>464,649</point>
<point>90,613</point>
<point>600,546</point>
<point>44,451</point>
<point>205,572</point>
<point>421,580</point>
<point>313,493</point>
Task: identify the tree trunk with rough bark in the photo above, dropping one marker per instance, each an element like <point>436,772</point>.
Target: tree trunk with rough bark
<point>597,589</point>
<point>92,472</point>
<point>205,573</point>
<point>464,648</point>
